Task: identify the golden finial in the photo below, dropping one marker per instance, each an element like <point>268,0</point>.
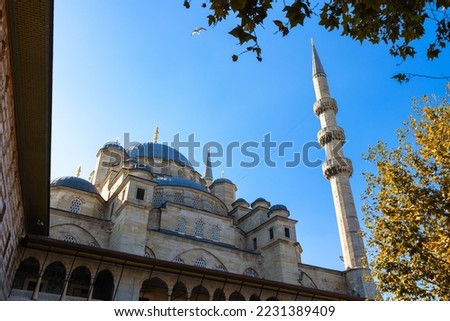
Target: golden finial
<point>155,136</point>
<point>79,171</point>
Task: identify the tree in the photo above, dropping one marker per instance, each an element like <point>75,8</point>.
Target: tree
<point>407,206</point>
<point>397,23</point>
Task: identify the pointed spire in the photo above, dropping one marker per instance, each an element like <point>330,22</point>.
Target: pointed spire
<point>155,136</point>
<point>317,67</point>
<point>208,175</point>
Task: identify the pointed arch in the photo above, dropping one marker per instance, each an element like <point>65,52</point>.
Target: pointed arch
<point>154,289</point>
<point>254,297</point>
<point>103,286</point>
<point>219,295</point>
<point>27,274</point>
<point>236,296</point>
<point>200,293</point>
<point>79,282</point>
<point>149,253</point>
<point>53,278</point>
<point>179,292</point>
<point>80,234</point>
<point>210,259</point>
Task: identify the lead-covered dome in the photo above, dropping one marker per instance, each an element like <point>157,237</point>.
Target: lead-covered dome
<point>154,150</point>
<point>75,183</point>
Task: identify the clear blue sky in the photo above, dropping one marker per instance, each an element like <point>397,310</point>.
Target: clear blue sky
<point>127,66</point>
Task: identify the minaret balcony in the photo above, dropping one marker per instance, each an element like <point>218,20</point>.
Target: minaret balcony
<point>329,133</point>
<point>324,104</point>
<point>337,165</point>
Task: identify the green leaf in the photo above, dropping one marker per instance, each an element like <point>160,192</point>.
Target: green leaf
<point>242,35</point>
<point>237,5</point>
<point>281,27</point>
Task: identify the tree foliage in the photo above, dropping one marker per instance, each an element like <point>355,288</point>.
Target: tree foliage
<point>397,23</point>
<point>407,206</point>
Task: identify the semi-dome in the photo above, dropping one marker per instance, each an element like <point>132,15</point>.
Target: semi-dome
<point>179,182</point>
<point>75,183</point>
<point>155,150</point>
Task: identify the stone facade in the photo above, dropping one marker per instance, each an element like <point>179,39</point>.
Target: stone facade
<point>169,214</point>
<point>11,207</point>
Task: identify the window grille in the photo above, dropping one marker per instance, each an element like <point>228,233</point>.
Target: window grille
<point>75,206</point>
<point>70,239</point>
<point>199,262</point>
<point>199,227</point>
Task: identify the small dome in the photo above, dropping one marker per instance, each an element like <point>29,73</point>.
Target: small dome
<point>223,180</point>
<point>180,182</point>
<point>278,207</point>
<point>113,145</point>
<point>240,201</point>
<point>75,183</point>
<point>259,200</point>
<point>154,150</point>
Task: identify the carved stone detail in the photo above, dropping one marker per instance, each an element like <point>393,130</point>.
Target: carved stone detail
<point>327,134</point>
<point>336,166</point>
<point>324,104</point>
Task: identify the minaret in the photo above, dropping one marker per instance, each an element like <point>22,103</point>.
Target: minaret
<point>338,170</point>
<point>208,175</point>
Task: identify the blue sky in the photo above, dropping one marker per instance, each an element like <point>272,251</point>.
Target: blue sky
<point>128,66</point>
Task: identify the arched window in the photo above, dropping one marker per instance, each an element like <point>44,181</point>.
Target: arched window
<point>197,201</point>
<point>178,197</point>
<point>79,282</point>
<point>220,267</point>
<point>199,262</point>
<point>199,293</point>
<point>219,295</point>
<point>103,286</point>
<point>158,199</point>
<point>153,289</point>
<point>178,260</point>
<point>251,272</point>
<point>75,206</point>
<point>179,292</point>
<point>70,239</point>
<point>181,228</point>
<point>215,233</point>
<point>199,227</point>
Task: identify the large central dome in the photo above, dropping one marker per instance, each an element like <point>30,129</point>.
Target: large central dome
<point>154,150</point>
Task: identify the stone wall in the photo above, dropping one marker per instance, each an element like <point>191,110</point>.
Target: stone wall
<point>11,207</point>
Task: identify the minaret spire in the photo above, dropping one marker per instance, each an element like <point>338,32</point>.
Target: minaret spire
<point>208,175</point>
<point>338,170</point>
<point>156,134</point>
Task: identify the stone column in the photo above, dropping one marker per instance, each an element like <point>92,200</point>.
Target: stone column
<point>38,285</point>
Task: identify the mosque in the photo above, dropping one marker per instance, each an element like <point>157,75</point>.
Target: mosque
<point>148,226</point>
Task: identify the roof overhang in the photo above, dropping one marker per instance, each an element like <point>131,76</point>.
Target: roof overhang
<point>30,29</point>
